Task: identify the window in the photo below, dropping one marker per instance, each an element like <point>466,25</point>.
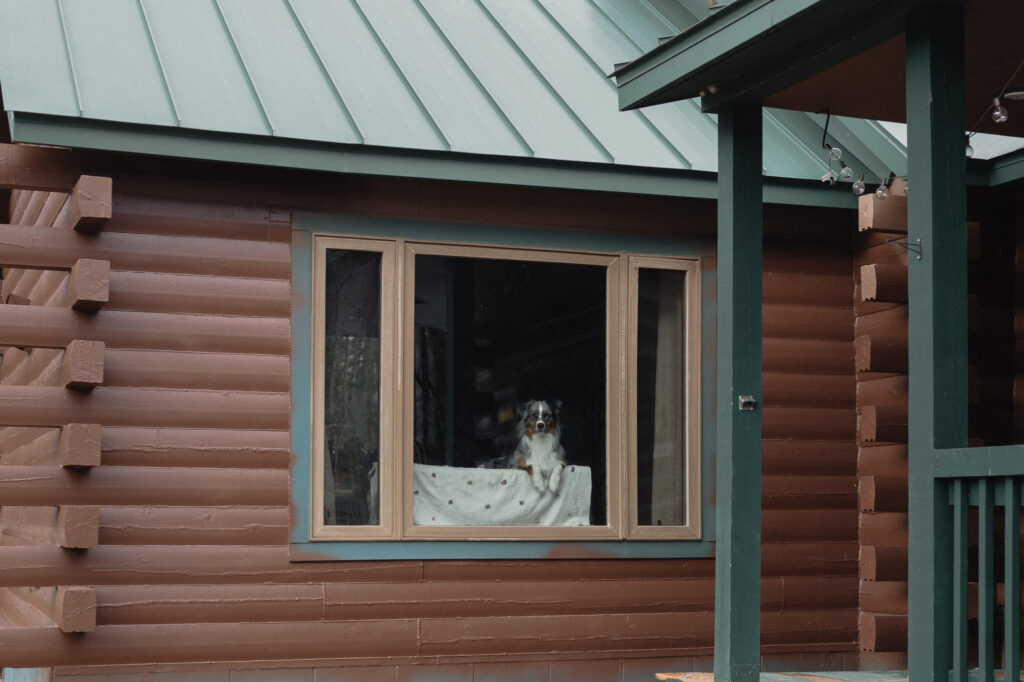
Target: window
<point>433,363</point>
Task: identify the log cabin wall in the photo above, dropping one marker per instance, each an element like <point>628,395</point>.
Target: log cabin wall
<point>180,562</point>
<point>881,359</point>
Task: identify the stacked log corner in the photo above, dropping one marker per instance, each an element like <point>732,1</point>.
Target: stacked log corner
<point>34,447</point>
<point>880,358</point>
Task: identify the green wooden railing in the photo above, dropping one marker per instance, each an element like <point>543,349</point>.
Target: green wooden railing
<point>984,495</point>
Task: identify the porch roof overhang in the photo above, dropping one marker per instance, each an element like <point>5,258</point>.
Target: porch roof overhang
<point>813,55</point>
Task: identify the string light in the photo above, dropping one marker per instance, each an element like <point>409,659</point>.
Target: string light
<point>999,112</point>
<point>858,186</point>
<point>846,172</point>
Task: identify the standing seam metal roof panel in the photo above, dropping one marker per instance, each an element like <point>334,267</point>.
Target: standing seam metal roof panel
<point>203,74</point>
<point>497,78</point>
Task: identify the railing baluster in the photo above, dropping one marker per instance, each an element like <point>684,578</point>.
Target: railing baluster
<point>960,558</point>
<point>986,581</point>
<point>1011,580</point>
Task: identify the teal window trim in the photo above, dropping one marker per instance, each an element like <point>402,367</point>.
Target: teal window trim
<point>302,549</point>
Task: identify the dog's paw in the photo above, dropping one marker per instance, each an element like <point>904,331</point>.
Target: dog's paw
<point>556,478</point>
<point>538,481</point>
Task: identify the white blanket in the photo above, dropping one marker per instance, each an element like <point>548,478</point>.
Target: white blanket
<point>453,496</point>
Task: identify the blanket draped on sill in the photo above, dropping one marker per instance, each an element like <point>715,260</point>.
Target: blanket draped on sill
<point>454,496</point>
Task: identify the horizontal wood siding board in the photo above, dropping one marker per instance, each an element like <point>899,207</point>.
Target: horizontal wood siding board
<point>596,569</point>
<point>825,390</point>
<point>198,294</point>
<point>807,356</point>
<point>168,564</point>
<point>181,447</point>
<point>193,217</point>
<point>203,371</point>
<point>234,525</point>
<point>33,247</point>
<point>807,322</point>
<point>152,604</point>
<point>808,423</point>
<point>38,647</point>
<point>50,327</point>
<point>109,485</point>
<point>43,406</point>
<point>832,291</point>
<point>629,632</point>
<point>505,599</point>
<point>809,457</point>
<point>809,492</point>
<point>796,525</point>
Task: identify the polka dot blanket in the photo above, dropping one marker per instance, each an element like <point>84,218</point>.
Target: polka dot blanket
<point>453,496</point>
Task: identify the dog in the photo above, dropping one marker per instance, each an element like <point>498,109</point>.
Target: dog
<point>538,450</point>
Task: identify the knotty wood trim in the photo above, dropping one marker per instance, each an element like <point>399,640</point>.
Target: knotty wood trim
<point>82,366</point>
<point>68,526</point>
<point>885,283</point>
<point>877,353</point>
<point>89,285</point>
<point>882,215</point>
<point>883,632</point>
<point>882,424</point>
<point>70,608</point>
<point>882,494</point>
<point>89,205</point>
<point>881,562</point>
<point>79,445</point>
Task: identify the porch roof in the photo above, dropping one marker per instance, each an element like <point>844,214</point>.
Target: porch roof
<point>813,55</point>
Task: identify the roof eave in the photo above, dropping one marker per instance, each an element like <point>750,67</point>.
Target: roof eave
<point>82,133</point>
<point>756,48</point>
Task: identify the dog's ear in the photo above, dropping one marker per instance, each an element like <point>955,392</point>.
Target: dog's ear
<point>522,409</point>
<point>556,405</point>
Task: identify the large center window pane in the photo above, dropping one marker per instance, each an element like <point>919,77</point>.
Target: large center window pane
<point>493,338</point>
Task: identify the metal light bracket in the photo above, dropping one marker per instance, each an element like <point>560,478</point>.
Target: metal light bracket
<point>915,248</point>
<point>747,403</point>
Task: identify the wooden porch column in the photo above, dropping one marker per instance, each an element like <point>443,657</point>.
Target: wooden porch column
<point>738,493</point>
<point>937,290</point>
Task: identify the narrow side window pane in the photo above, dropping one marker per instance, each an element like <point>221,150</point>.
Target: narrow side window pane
<point>661,398</point>
<point>352,370</point>
<point>510,374</point>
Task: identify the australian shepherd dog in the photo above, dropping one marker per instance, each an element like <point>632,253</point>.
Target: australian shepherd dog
<point>538,449</point>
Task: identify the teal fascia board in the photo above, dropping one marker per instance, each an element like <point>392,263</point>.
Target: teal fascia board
<point>81,133</point>
<point>755,48</point>
<point>1007,168</point>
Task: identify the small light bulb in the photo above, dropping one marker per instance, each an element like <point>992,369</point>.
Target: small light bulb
<point>846,172</point>
<point>999,113</point>
<point>858,186</point>
<point>882,192</point>
<point>834,153</point>
<point>906,190</point>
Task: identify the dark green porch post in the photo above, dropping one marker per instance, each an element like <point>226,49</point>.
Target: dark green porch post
<point>937,215</point>
<point>738,500</point>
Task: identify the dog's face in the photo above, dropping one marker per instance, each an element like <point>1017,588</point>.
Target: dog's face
<point>539,416</point>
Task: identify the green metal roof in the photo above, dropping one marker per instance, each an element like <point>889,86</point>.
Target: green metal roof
<point>520,86</point>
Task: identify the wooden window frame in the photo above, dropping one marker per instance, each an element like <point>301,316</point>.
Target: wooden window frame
<point>396,404</point>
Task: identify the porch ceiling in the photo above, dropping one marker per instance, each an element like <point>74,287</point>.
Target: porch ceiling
<point>812,54</point>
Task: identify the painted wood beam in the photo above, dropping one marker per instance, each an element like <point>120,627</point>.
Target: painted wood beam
<point>738,513</point>
<point>937,335</point>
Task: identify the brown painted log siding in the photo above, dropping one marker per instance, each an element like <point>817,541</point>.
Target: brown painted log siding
<point>193,503</point>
